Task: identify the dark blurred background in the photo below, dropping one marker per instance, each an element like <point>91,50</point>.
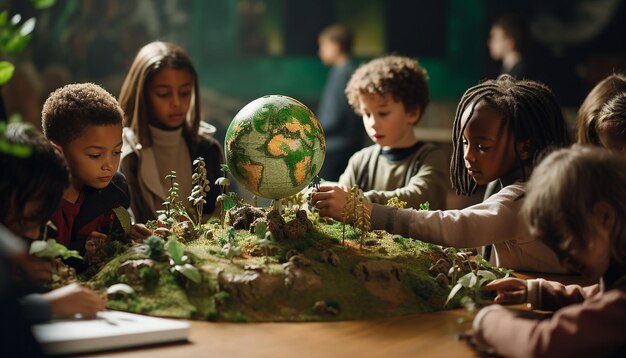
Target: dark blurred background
<point>244,49</point>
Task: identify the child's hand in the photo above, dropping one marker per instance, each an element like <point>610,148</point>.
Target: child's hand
<point>139,232</point>
<point>38,270</point>
<point>510,290</point>
<point>72,299</point>
<point>330,200</point>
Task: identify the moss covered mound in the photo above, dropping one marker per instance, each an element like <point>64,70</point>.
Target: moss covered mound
<point>331,272</point>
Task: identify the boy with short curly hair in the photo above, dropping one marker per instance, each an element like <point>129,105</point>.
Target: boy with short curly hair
<point>84,122</point>
<point>391,94</point>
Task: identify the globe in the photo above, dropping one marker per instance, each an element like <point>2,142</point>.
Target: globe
<point>275,146</point>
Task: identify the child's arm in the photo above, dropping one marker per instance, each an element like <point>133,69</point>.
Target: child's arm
<point>427,185</point>
<point>591,328</point>
<point>72,299</point>
<point>495,220</point>
<point>541,294</point>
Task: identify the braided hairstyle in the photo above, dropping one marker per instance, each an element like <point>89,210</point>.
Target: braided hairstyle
<point>530,111</point>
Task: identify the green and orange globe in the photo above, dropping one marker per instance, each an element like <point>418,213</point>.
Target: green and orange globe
<point>275,146</point>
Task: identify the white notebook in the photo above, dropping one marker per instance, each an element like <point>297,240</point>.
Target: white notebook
<point>110,330</point>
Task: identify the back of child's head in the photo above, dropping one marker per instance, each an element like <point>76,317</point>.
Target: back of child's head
<point>133,97</point>
<point>400,77</point>
<point>611,123</point>
<point>339,34</point>
<point>71,109</point>
<point>530,112</point>
<point>591,106</point>
<point>563,190</point>
<point>38,175</point>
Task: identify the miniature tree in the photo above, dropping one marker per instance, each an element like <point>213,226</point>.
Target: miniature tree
<point>349,212</point>
<point>201,187</point>
<point>395,202</point>
<point>363,220</point>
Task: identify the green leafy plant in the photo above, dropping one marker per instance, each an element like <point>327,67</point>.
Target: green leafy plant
<point>173,206</point>
<point>469,284</point>
<point>156,247</point>
<point>179,262</point>
<point>51,249</point>
<point>15,35</point>
<point>424,206</point>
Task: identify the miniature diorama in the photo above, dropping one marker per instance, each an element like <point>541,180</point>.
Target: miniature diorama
<point>277,263</point>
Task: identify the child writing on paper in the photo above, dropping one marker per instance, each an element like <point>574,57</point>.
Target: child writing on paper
<point>499,128</point>
<point>576,204</point>
<point>32,186</point>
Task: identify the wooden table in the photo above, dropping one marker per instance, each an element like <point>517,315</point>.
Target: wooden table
<point>427,335</point>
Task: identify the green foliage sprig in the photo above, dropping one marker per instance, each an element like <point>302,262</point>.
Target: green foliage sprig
<point>51,249</point>
<point>179,262</point>
<point>15,35</point>
<point>173,206</point>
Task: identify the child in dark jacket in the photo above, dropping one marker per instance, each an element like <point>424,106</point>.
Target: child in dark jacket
<point>84,122</point>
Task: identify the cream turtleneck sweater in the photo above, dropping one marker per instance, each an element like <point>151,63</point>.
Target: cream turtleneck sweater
<point>171,153</point>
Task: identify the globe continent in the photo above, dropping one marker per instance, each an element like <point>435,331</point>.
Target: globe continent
<point>275,146</point>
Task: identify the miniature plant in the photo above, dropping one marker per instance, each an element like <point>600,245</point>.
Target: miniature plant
<point>424,206</point>
<point>156,247</point>
<point>51,249</point>
<point>180,262</point>
<point>225,198</point>
<point>231,249</point>
<point>315,182</point>
<point>173,206</point>
<point>265,244</point>
<point>395,202</point>
<point>201,187</point>
<point>480,273</point>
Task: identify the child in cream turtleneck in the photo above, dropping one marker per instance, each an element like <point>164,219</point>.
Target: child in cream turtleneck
<point>163,129</point>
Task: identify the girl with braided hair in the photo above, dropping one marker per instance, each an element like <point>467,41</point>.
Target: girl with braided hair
<point>499,129</point>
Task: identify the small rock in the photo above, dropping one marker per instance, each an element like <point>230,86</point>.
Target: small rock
<point>329,256</point>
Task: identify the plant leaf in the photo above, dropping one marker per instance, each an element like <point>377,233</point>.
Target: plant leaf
<point>27,27</point>
<point>176,251</point>
<point>487,274</point>
<point>124,217</point>
<point>189,271</point>
<point>453,292</point>
<point>6,71</point>
<point>468,280</point>
<point>42,4</point>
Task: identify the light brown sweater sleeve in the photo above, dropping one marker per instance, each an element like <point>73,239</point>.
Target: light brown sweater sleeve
<point>427,185</point>
<point>489,222</point>
<point>592,328</point>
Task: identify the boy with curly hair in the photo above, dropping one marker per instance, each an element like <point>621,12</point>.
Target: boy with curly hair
<point>391,94</point>
<point>84,122</point>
